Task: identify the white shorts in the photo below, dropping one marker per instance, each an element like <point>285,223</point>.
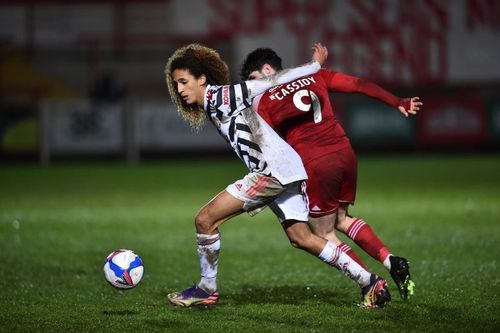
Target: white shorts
<point>292,204</point>
<point>288,202</point>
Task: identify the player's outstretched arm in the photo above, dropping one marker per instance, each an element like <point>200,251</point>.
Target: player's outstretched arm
<point>351,84</point>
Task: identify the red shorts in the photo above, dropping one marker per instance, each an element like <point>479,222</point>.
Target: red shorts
<point>332,180</point>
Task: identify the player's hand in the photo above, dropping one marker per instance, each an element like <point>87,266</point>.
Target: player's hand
<point>410,106</point>
<point>320,53</point>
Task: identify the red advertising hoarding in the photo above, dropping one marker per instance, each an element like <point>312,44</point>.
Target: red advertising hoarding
<point>449,121</point>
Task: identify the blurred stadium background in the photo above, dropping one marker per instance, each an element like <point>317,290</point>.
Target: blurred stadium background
<point>84,78</point>
<point>82,82</point>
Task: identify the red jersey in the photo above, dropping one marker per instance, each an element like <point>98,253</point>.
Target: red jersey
<point>301,113</point>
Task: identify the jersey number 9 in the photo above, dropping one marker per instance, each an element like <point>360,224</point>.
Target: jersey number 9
<point>315,105</point>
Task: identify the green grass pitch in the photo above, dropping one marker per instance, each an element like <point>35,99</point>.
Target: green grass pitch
<point>57,225</point>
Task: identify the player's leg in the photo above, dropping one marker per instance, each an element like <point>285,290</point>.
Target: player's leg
<point>374,289</point>
<point>363,235</point>
<point>291,209</point>
<point>248,194</point>
<point>324,227</point>
<point>356,229</point>
<point>218,210</point>
<point>326,175</point>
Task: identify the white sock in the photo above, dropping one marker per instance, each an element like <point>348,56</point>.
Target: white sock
<point>208,252</point>
<point>387,262</point>
<point>333,256</point>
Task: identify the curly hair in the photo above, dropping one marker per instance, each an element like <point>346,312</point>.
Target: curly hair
<point>258,58</point>
<point>198,60</point>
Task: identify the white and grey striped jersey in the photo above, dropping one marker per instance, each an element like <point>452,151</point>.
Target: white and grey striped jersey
<point>254,141</point>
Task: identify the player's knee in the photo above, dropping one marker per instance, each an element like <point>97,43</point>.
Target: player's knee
<point>299,241</point>
<point>298,244</point>
<point>203,222</point>
<point>343,223</point>
<point>340,226</point>
<point>299,234</point>
<point>320,232</point>
<point>294,244</point>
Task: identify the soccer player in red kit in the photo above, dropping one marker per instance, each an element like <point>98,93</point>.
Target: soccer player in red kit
<point>301,112</point>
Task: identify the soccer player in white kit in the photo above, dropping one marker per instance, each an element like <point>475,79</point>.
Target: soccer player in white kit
<point>197,81</point>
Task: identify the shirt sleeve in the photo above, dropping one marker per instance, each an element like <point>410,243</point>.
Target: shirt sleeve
<point>340,82</point>
<point>232,99</point>
<point>257,87</point>
<point>228,100</point>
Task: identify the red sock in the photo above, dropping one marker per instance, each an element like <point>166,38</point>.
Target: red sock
<point>347,250</point>
<point>363,235</point>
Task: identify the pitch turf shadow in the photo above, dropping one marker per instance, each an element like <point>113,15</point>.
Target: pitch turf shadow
<point>292,295</point>
<point>448,318</point>
<point>119,312</point>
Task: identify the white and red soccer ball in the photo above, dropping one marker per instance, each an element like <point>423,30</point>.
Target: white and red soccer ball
<point>123,269</point>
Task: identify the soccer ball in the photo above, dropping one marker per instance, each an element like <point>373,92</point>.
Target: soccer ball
<point>123,269</point>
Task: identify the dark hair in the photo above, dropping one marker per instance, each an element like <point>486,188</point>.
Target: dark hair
<point>202,61</point>
<point>258,58</point>
<point>198,60</point>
